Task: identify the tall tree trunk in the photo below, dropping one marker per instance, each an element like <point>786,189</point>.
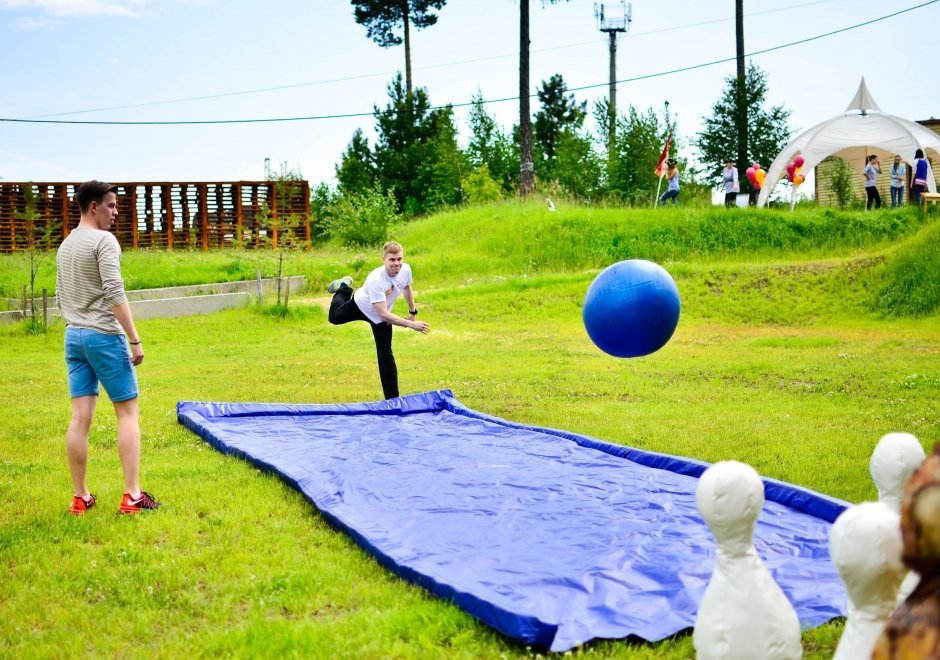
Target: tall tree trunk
<point>741,113</point>
<point>526,168</point>
<point>404,14</point>
<point>612,98</point>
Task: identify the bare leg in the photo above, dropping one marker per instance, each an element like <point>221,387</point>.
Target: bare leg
<point>128,441</point>
<point>76,441</point>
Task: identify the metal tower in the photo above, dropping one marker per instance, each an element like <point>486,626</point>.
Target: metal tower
<point>614,18</point>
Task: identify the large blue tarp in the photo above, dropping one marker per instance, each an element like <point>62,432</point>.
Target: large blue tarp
<point>552,538</point>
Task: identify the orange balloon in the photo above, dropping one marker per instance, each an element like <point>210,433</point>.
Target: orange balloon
<point>798,179</point>
<point>759,175</point>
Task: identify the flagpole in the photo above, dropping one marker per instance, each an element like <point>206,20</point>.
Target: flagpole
<point>659,167</point>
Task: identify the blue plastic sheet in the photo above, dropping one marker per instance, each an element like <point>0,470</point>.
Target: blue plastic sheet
<point>550,537</point>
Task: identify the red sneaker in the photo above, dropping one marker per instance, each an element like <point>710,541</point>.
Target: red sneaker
<point>144,503</point>
<point>80,505</point>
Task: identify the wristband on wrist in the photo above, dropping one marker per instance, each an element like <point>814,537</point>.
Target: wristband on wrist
<point>413,312</point>
<point>134,343</point>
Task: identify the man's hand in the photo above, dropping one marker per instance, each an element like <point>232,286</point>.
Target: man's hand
<point>137,354</point>
<point>421,326</point>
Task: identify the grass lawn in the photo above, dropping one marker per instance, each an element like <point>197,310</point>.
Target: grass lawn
<point>783,359</point>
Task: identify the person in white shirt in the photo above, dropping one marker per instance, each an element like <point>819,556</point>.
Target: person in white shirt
<point>898,172</point>
<point>373,303</point>
<point>871,172</point>
<point>729,181</point>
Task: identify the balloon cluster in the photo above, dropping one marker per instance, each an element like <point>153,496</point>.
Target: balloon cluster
<point>794,171</point>
<point>755,174</point>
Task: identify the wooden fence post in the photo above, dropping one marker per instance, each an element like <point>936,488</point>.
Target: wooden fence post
<point>204,215</point>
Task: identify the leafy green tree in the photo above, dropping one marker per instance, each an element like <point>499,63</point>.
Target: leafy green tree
<point>639,142</point>
<point>768,129</point>
<point>383,17</point>
<point>577,166</point>
<point>322,200</point>
<point>356,170</point>
<point>490,146</point>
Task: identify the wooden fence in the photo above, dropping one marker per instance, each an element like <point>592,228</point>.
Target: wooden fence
<point>205,215</point>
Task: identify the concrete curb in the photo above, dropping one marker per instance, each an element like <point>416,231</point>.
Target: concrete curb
<point>178,301</point>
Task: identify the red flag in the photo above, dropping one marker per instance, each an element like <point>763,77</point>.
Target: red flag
<point>663,156</point>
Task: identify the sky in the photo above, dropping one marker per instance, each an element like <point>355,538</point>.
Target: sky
<point>309,61</point>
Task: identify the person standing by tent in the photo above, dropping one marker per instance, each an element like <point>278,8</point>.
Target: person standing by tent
<point>730,183</point>
<point>672,190</point>
<point>898,173</point>
<point>101,344</point>
<point>919,184</point>
<point>373,303</point>
<point>871,172</point>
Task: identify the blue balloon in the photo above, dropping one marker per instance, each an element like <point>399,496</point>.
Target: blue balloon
<point>631,308</point>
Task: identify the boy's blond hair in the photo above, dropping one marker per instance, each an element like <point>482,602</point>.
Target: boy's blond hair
<point>392,248</point>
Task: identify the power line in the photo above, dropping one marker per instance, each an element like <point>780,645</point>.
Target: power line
<point>458,105</point>
<point>315,83</point>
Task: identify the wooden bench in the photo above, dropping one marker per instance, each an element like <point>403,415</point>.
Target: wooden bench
<point>925,197</point>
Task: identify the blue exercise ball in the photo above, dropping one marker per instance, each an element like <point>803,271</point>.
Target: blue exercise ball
<point>631,308</point>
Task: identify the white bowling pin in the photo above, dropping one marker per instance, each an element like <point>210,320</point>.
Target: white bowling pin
<point>744,614</point>
<point>865,545</point>
<point>894,460</point>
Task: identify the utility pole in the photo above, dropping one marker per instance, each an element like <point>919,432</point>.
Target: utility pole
<point>526,168</point>
<point>741,96</point>
<point>614,19</point>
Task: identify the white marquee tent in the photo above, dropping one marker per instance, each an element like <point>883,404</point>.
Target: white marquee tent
<point>861,130</point>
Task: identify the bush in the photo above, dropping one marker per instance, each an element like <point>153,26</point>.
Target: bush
<point>479,187</point>
<point>362,219</point>
<point>841,180</point>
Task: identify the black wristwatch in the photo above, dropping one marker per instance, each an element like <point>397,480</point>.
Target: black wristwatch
<point>413,312</point>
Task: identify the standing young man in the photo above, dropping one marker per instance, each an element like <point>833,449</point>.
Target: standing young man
<point>373,303</point>
<point>91,297</point>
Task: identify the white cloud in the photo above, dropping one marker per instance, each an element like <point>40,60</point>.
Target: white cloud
<point>53,10</point>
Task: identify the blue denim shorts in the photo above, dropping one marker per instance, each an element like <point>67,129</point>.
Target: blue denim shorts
<point>94,356</point>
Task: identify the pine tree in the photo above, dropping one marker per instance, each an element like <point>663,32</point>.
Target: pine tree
<point>356,170</point>
<point>768,129</point>
<point>559,112</point>
<point>490,147</point>
<point>414,148</point>
<point>382,18</point>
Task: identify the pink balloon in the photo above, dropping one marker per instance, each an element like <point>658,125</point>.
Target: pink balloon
<point>790,167</point>
<point>750,173</point>
<point>756,166</point>
<point>790,178</point>
<point>798,161</point>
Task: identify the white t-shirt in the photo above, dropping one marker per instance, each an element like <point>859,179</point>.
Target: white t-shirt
<point>379,286</point>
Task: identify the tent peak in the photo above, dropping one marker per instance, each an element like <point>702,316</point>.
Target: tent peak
<point>862,102</point>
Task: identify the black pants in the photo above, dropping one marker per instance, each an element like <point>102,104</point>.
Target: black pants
<point>873,196</point>
<point>344,309</point>
<point>731,199</point>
